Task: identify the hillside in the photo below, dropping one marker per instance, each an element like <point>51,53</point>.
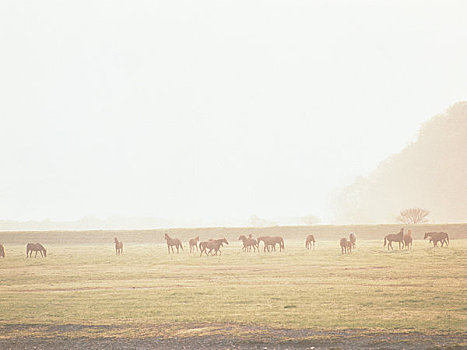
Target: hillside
<point>430,173</point>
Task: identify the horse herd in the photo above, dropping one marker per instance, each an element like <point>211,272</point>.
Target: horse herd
<point>213,246</point>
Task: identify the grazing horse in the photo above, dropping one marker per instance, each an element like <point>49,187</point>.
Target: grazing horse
<point>408,239</point>
<point>310,240</point>
<point>118,247</point>
<point>352,239</point>
<point>248,243</point>
<point>194,244</point>
<point>35,247</point>
<point>270,243</point>
<point>2,251</point>
<point>346,246</point>
<point>394,237</point>
<point>436,237</point>
<point>213,245</point>
<point>171,242</point>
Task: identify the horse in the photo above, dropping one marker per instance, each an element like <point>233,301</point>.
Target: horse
<point>171,242</point>
<point>270,242</point>
<point>310,240</point>
<point>346,246</point>
<point>212,245</point>
<point>193,244</point>
<point>442,242</point>
<point>407,240</point>
<point>2,251</point>
<point>436,237</point>
<point>118,247</point>
<point>352,239</point>
<point>248,243</point>
<point>394,237</point>
<point>35,247</point>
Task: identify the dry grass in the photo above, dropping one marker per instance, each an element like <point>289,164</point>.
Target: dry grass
<point>423,289</point>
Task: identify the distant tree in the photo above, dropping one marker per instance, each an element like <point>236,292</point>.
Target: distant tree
<point>413,216</point>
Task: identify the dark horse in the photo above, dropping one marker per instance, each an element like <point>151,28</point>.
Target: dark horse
<point>310,241</point>
<point>248,242</point>
<point>352,239</point>
<point>346,246</point>
<point>118,246</point>
<point>408,239</point>
<point>193,244</point>
<point>171,242</point>
<point>35,247</point>
<point>2,251</point>
<point>436,237</point>
<point>394,237</point>
<point>270,242</point>
<point>213,245</point>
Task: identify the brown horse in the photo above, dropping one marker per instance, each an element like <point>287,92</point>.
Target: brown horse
<point>346,246</point>
<point>194,244</point>
<point>118,247</point>
<point>213,245</point>
<point>310,241</point>
<point>352,239</point>
<point>248,243</point>
<point>408,240</point>
<point>173,242</point>
<point>270,243</point>
<point>436,237</point>
<point>394,237</point>
<point>2,251</point>
<point>35,247</point>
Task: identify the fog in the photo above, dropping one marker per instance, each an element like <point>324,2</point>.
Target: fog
<point>214,112</point>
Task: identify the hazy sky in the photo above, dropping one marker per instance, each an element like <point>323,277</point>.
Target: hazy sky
<point>209,110</point>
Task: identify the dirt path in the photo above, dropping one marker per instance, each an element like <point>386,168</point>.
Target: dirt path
<point>208,336</point>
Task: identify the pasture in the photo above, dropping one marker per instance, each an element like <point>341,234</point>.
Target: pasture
<point>85,291</point>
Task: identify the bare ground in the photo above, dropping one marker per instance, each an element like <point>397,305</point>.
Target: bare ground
<point>211,336</point>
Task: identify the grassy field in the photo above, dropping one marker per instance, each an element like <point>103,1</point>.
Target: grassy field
<point>423,289</point>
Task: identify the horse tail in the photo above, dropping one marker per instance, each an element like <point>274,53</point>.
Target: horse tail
<point>384,241</point>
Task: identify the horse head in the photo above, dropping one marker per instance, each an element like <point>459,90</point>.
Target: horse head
<point>224,241</point>
<point>45,252</point>
<point>426,235</point>
<point>166,236</point>
<point>242,238</point>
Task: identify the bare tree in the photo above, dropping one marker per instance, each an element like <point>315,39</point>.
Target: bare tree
<point>413,216</point>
